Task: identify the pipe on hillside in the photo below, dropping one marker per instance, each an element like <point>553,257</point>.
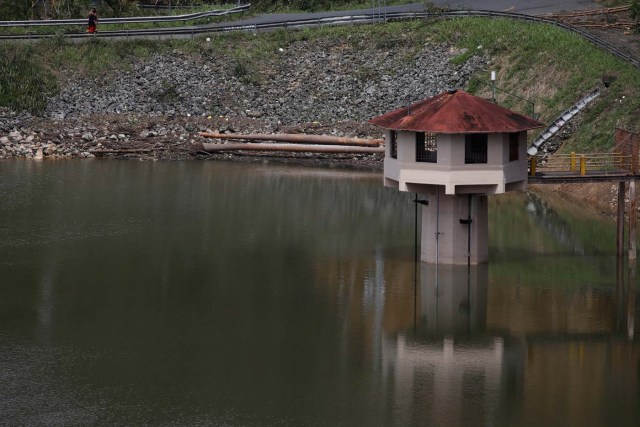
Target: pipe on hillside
<point>291,148</point>
<point>297,138</point>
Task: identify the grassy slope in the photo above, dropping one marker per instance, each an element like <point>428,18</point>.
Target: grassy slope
<point>554,68</point>
<point>542,63</point>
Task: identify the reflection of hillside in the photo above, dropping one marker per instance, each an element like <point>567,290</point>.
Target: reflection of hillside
<point>376,293</point>
<point>553,224</point>
<point>555,245</point>
<point>526,310</point>
<point>590,383</point>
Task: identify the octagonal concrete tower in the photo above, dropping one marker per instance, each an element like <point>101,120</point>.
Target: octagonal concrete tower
<point>455,149</point>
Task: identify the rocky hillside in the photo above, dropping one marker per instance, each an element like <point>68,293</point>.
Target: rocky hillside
<point>323,86</point>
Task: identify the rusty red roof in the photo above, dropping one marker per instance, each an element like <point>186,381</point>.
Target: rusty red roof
<point>456,111</point>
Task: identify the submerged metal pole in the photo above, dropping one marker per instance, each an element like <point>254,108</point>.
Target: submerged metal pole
<point>415,257</point>
<point>620,293</point>
<point>631,294</point>
<point>437,233</point>
<point>415,262</point>
<point>620,221</point>
<point>469,234</point>
<point>415,231</point>
<point>469,266</point>
<point>633,212</point>
<point>631,301</point>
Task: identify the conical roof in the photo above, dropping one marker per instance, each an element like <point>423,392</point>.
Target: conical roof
<point>456,111</point>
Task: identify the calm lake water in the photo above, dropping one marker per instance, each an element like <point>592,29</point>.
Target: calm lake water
<point>227,294</point>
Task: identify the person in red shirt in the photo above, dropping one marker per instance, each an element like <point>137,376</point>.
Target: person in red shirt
<point>93,21</point>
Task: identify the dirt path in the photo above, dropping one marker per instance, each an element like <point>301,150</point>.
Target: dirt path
<point>613,26</point>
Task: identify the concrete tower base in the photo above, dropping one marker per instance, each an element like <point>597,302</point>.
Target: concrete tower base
<point>447,234</point>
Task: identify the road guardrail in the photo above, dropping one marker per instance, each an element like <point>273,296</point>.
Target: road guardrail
<point>129,20</point>
<point>363,18</point>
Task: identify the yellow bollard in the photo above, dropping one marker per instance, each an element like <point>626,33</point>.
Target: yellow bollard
<point>532,170</point>
<point>583,165</point>
<point>572,167</point>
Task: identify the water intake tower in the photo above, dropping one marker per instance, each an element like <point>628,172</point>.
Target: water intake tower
<point>454,150</point>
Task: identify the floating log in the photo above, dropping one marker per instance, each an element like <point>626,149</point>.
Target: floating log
<point>291,148</point>
<point>297,138</point>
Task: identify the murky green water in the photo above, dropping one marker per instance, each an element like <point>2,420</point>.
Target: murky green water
<point>206,293</point>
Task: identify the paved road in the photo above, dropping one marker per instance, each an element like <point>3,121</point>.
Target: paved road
<point>529,7</point>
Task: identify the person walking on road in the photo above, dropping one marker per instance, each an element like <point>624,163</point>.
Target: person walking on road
<point>93,21</point>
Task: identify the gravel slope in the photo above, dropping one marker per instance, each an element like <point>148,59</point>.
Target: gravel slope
<point>159,103</point>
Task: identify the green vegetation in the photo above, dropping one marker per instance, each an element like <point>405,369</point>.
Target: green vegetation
<point>552,68</point>
<point>530,250</point>
<point>540,63</point>
<point>24,83</point>
<point>61,9</point>
<point>635,13</point>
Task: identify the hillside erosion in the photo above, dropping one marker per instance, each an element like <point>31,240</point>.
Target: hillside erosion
<point>162,100</point>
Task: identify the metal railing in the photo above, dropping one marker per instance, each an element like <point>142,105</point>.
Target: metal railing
<point>129,20</point>
<point>583,164</point>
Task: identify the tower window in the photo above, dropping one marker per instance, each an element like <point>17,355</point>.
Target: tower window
<point>513,146</point>
<point>393,140</point>
<point>426,147</point>
<point>475,148</point>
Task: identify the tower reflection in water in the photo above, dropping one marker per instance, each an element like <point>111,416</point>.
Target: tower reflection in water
<point>448,363</point>
<point>481,354</point>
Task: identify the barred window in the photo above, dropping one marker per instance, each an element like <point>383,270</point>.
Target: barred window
<point>475,148</point>
<point>426,147</point>
<point>393,140</point>
<point>514,139</point>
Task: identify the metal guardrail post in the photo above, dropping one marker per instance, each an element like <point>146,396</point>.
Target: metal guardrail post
<point>633,214</point>
<point>620,220</point>
<point>583,165</point>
